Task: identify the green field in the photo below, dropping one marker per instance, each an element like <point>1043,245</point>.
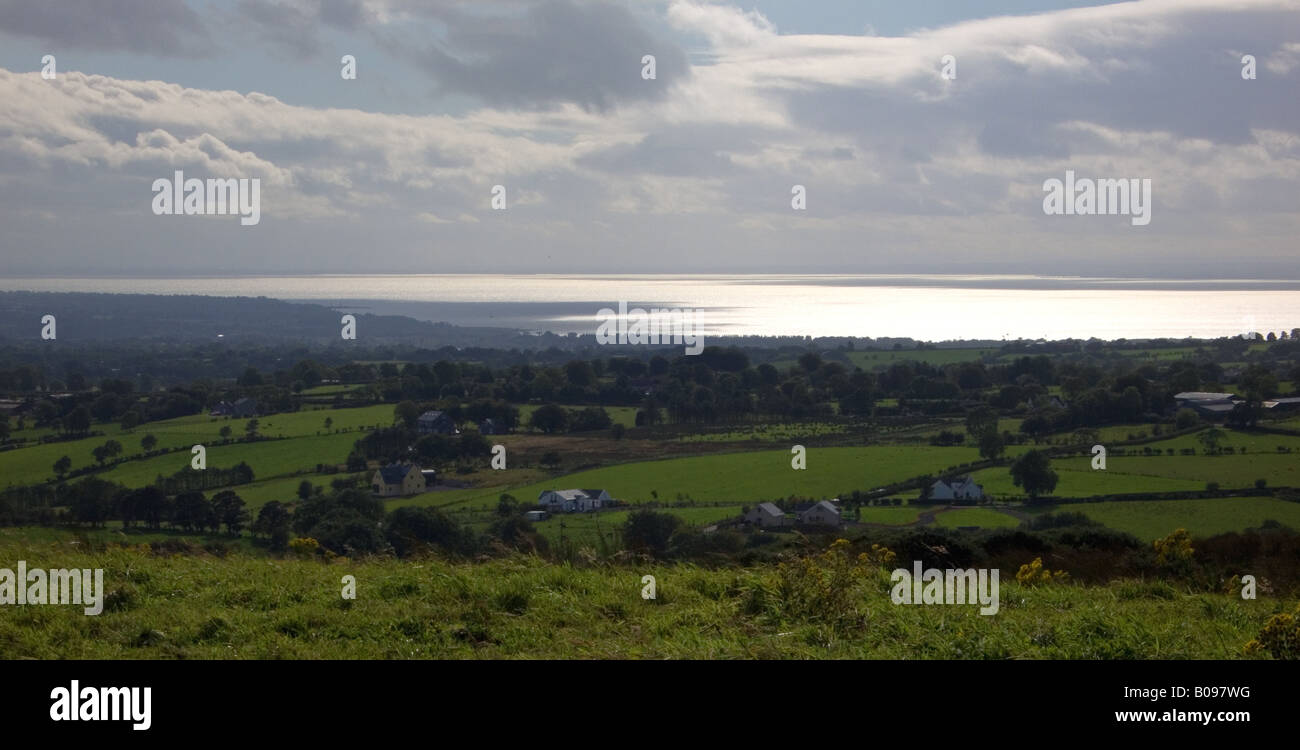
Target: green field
<point>1153,519</point>
<point>269,458</point>
<point>242,607</point>
<point>1074,482</point>
<point>35,463</point>
<point>983,517</point>
<point>731,477</point>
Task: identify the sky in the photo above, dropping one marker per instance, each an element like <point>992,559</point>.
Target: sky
<point>778,136</point>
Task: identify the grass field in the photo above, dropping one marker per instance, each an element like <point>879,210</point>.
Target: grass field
<point>35,463</point>
<point>240,607</point>
<point>1076,482</point>
<point>732,477</point>
<point>985,518</point>
<point>269,458</point>
<point>1153,519</point>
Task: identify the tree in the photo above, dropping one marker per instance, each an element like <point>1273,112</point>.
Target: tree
<point>78,421</point>
<point>649,531</point>
<point>4,427</point>
<point>131,420</point>
<point>550,459</point>
<point>1210,439</point>
<point>304,490</point>
<point>225,432</point>
<point>148,442</point>
<point>1186,419</point>
<point>192,512</point>
<point>106,451</point>
<point>61,466</point>
<point>229,508</point>
<point>1033,472</point>
<point>329,422</point>
<point>251,428</point>
<point>549,418</point>
<point>590,418</point>
<point>507,505</point>
<point>273,522</point>
<point>407,414</point>
<point>991,445</point>
<point>981,421</point>
<point>413,530</point>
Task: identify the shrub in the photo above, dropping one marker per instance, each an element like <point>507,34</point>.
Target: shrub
<point>1034,574</point>
<point>1280,637</point>
<point>1174,549</point>
<point>304,546</point>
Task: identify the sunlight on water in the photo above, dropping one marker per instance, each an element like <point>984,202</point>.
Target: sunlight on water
<point>934,308</point>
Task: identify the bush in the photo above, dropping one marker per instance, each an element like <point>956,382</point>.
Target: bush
<point>648,531</point>
<point>304,546</point>
<point>1175,549</point>
<point>414,530</point>
<point>1034,574</point>
<point>1280,637</point>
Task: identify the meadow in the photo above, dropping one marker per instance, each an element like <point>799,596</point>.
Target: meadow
<point>241,607</point>
<point>1153,519</point>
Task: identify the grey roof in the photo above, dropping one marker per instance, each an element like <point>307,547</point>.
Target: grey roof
<point>432,415</point>
<point>1204,396</point>
<point>771,509</point>
<point>394,473</point>
<point>824,505</point>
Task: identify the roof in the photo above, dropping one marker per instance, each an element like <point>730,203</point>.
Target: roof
<point>394,473</point>
<point>1203,396</point>
<point>770,508</point>
<point>432,415</point>
<point>1216,406</point>
<point>570,494</point>
<point>955,483</point>
<point>824,506</point>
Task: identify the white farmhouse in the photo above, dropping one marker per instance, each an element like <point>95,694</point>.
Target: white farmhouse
<point>961,488</point>
<point>573,501</point>
<point>823,513</point>
<point>766,516</point>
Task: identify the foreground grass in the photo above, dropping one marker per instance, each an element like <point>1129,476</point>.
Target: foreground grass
<point>257,608</point>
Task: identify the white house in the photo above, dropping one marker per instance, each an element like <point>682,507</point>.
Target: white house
<point>766,515</point>
<point>961,488</point>
<point>822,514</point>
<point>396,480</point>
<point>573,501</point>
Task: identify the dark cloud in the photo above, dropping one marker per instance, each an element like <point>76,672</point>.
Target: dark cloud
<point>157,27</point>
<point>558,51</point>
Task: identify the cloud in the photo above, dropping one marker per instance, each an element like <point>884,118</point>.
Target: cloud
<point>608,172</point>
<point>552,52</point>
<point>157,27</point>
